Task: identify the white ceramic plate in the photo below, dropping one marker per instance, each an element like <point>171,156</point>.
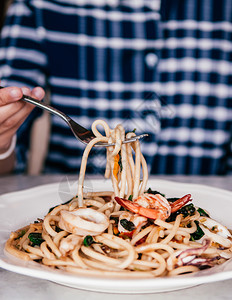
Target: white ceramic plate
<point>20,208</point>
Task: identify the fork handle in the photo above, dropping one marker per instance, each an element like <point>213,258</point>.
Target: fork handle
<point>45,107</point>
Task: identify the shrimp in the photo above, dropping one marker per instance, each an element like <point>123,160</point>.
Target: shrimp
<point>83,221</point>
<point>153,206</point>
<point>175,206</point>
<point>148,205</point>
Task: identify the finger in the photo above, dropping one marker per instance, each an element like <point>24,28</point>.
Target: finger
<point>12,124</point>
<point>17,112</point>
<point>38,93</point>
<point>14,111</point>
<point>17,119</point>
<point>26,91</point>
<point>7,111</point>
<point>9,95</point>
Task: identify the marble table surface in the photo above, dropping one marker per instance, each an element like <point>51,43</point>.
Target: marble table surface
<point>15,286</point>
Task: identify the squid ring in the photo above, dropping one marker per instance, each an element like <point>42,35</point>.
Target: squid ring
<point>83,221</point>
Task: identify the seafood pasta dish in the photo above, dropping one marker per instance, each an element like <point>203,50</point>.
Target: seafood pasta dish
<point>131,231</point>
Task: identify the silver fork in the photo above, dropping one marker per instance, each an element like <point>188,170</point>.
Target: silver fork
<point>82,134</point>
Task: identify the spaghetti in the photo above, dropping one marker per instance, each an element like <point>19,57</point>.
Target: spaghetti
<point>130,232</point>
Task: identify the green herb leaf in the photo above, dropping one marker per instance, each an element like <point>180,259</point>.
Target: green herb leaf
<point>130,198</point>
<point>130,131</point>
<point>36,238</point>
<point>115,219</point>
<point>120,160</point>
<point>88,240</point>
<point>150,191</point>
<point>199,233</point>
<point>21,233</point>
<point>58,229</point>
<point>187,210</point>
<point>202,212</point>
<point>172,199</point>
<point>128,225</point>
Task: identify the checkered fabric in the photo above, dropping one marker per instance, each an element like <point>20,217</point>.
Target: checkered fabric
<point>162,67</point>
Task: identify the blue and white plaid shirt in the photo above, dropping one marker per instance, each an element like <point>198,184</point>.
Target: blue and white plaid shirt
<point>162,67</point>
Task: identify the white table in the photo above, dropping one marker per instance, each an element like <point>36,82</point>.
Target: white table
<point>15,286</point>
